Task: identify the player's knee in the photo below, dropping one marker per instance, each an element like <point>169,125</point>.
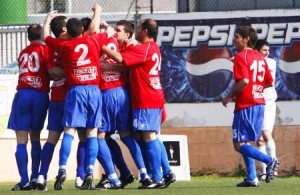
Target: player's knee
<point>101,134</point>
<point>236,147</point>
<point>259,143</point>
<point>149,136</point>
<point>35,135</point>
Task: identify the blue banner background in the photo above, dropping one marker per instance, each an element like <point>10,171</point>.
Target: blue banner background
<point>180,88</point>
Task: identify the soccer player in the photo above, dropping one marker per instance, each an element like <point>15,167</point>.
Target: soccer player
<point>30,104</point>
<point>147,96</point>
<point>79,57</point>
<point>266,142</point>
<point>56,105</point>
<point>56,109</point>
<point>116,109</point>
<point>251,75</point>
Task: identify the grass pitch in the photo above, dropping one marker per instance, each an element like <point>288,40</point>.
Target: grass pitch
<point>198,185</point>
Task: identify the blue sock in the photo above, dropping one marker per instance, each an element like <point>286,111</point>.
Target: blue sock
<point>142,145</point>
<point>164,159</point>
<point>154,157</point>
<point>80,171</point>
<point>35,159</point>
<point>136,154</point>
<point>65,149</point>
<point>250,167</point>
<point>46,157</point>
<point>117,157</point>
<point>91,153</point>
<point>254,153</point>
<point>22,162</point>
<point>106,161</point>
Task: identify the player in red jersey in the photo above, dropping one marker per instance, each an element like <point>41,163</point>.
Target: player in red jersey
<point>56,105</point>
<point>30,104</point>
<point>147,96</point>
<point>79,57</point>
<point>116,109</point>
<point>251,76</point>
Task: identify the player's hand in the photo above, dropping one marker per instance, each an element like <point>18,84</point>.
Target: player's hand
<point>52,14</point>
<point>131,42</point>
<point>103,24</point>
<point>97,7</point>
<point>226,100</point>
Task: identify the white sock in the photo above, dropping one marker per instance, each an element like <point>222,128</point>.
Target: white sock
<point>271,148</point>
<point>262,164</point>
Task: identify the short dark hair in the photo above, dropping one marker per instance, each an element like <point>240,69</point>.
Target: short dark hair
<point>260,43</point>
<point>74,27</point>
<point>151,27</point>
<point>34,32</point>
<point>57,25</point>
<point>128,26</point>
<point>248,31</point>
<point>86,23</point>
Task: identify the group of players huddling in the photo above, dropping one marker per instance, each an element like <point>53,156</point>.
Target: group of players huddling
<point>94,100</point>
<point>105,82</point>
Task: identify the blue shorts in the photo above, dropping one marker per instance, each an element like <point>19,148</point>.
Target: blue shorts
<point>146,119</point>
<point>115,110</point>
<point>55,116</point>
<point>83,106</point>
<point>29,110</point>
<point>247,124</point>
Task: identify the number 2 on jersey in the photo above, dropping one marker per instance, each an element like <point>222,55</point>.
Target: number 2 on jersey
<point>157,59</point>
<point>81,60</point>
<point>258,67</point>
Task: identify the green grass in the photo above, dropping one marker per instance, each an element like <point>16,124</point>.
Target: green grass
<point>199,185</point>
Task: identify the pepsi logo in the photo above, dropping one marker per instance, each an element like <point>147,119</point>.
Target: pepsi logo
<point>290,68</point>
<point>209,70</point>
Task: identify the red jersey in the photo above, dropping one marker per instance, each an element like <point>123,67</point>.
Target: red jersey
<point>144,60</point>
<point>80,58</point>
<point>111,79</point>
<point>251,65</point>
<point>59,88</point>
<point>33,73</point>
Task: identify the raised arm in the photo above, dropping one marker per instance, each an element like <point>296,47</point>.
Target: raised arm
<point>47,22</point>
<point>95,23</point>
<point>108,29</point>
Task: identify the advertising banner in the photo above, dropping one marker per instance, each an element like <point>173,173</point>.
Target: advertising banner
<point>196,53</point>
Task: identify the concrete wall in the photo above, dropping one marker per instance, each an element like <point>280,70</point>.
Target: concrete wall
<point>211,150</point>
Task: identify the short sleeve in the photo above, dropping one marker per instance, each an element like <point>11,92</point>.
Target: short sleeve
<point>134,55</point>
<point>240,68</point>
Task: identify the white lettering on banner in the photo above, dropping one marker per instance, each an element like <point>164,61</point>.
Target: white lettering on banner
<point>222,35</point>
